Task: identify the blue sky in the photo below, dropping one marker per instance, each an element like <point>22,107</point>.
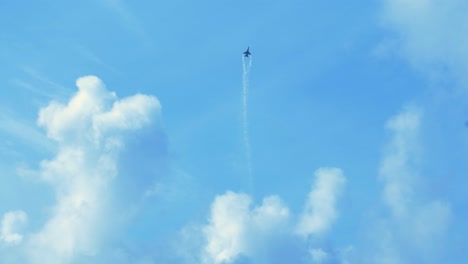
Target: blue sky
<point>122,132</point>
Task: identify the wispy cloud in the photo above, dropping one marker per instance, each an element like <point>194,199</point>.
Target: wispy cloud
<point>91,56</point>
<point>24,131</point>
<point>400,165</point>
<point>43,85</point>
<point>130,21</point>
<point>415,228</point>
<point>320,209</point>
<point>431,34</point>
<point>32,88</point>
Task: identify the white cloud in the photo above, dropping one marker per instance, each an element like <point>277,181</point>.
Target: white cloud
<point>90,131</point>
<point>236,230</point>
<point>11,223</point>
<point>271,215</point>
<point>87,114</point>
<point>320,208</point>
<point>66,122</point>
<point>415,228</point>
<point>432,34</point>
<point>227,231</point>
<point>127,114</point>
<point>318,255</point>
<point>399,166</point>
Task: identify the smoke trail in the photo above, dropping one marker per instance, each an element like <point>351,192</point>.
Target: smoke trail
<point>245,81</point>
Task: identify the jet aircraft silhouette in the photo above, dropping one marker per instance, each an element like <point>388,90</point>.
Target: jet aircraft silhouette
<point>247,52</point>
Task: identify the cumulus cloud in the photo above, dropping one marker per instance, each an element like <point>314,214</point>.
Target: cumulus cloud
<point>236,232</point>
<point>415,228</point>
<point>65,123</point>
<point>233,225</point>
<point>227,229</point>
<point>11,223</point>
<point>90,131</point>
<point>127,114</point>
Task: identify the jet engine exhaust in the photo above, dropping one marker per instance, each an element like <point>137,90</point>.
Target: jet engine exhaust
<point>246,64</point>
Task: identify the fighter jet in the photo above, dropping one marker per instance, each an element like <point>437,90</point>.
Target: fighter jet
<point>247,53</point>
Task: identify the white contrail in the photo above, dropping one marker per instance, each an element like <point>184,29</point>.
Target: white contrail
<point>245,121</point>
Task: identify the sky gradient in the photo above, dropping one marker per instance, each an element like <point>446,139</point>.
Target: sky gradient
<point>135,132</point>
